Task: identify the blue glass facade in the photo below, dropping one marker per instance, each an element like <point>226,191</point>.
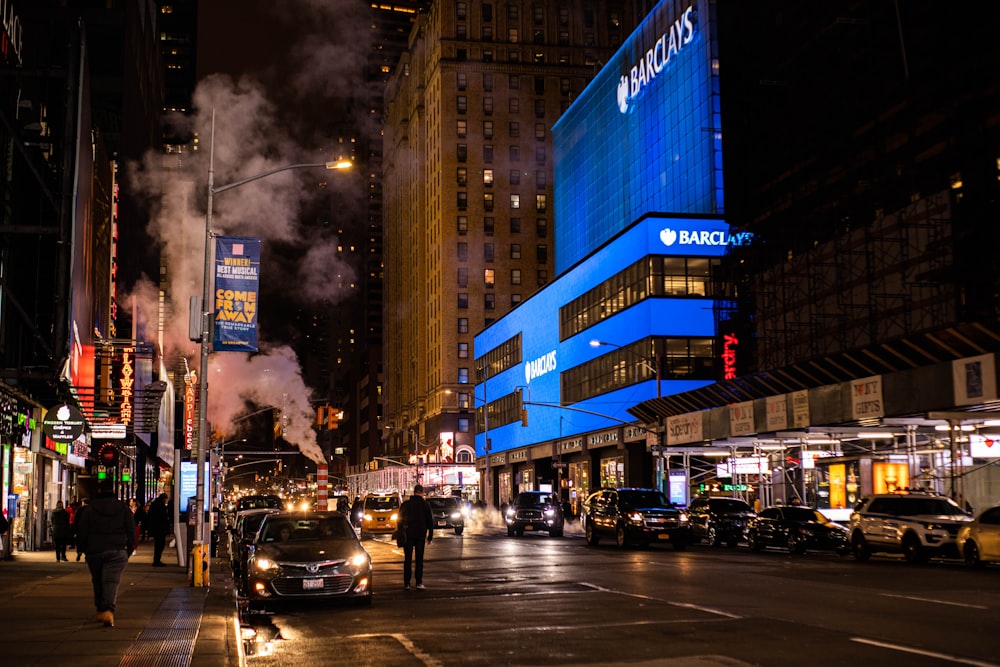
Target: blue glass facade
<point>620,155</point>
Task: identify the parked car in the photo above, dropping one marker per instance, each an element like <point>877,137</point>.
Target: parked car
<point>720,520</point>
<point>917,525</point>
<point>448,513</point>
<point>979,540</point>
<point>797,529</point>
<point>307,555</point>
<point>535,510</point>
<point>241,536</point>
<point>634,516</point>
<point>380,513</point>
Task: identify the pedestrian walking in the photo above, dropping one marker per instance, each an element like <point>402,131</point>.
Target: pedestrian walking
<point>157,523</point>
<point>4,528</point>
<point>62,533</point>
<point>418,523</point>
<point>106,533</point>
<point>76,528</point>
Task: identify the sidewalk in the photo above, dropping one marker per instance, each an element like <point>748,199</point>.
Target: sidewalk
<point>47,614</point>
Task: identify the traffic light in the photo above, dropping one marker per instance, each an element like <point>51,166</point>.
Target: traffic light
<point>523,411</point>
<point>333,418</point>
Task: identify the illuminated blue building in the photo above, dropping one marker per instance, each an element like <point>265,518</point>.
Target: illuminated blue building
<point>638,232</point>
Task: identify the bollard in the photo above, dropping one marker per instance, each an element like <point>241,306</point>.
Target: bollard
<point>199,565</point>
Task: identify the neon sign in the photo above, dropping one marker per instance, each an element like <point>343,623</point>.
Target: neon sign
<point>656,58</point>
<point>189,381</point>
<point>729,343</point>
<point>127,384</point>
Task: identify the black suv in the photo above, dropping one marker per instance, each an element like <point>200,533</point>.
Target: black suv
<point>917,525</point>
<point>447,511</point>
<point>534,510</point>
<point>719,520</point>
<point>634,516</point>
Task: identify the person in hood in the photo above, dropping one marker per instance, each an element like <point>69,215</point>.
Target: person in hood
<point>106,535</point>
<point>157,523</point>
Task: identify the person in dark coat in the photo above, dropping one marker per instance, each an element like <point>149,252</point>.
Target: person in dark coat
<point>106,534</point>
<point>157,523</point>
<point>418,523</point>
<point>62,533</point>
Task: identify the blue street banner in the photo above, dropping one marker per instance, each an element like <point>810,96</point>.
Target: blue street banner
<point>237,281</point>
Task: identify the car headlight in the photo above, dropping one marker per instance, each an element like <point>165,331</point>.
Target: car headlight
<point>264,564</point>
<point>511,511</point>
<point>395,516</point>
<point>636,518</point>
<point>456,516</point>
<point>682,517</point>
<point>549,512</point>
<point>368,517</point>
<point>359,560</point>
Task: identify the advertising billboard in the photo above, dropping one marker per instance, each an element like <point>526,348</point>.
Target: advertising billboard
<point>237,284</point>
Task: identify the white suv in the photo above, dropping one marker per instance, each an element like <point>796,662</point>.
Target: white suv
<point>917,525</point>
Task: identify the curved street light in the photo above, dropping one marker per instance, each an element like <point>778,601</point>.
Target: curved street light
<point>201,517</point>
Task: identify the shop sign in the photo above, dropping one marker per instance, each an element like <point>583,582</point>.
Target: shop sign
<point>574,445</point>
<point>741,418</point>
<point>777,413</point>
<point>974,379</point>
<point>800,409</point>
<point>519,456</point>
<point>605,438</point>
<point>866,398</point>
<point>64,423</point>
<point>684,429</point>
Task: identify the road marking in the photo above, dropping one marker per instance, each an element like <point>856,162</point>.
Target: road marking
<point>685,605</point>
<point>425,658</point>
<point>935,601</point>
<point>929,654</point>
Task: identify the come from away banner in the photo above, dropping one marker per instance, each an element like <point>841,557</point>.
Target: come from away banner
<point>237,281</point>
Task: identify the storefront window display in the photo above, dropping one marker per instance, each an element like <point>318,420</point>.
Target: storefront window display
<point>612,472</point>
<point>578,485</point>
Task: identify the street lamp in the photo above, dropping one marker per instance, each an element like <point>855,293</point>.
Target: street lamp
<point>201,517</point>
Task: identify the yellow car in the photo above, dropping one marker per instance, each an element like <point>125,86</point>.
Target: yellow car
<point>381,512</point>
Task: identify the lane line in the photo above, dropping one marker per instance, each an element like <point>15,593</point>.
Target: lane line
<point>683,605</point>
<point>928,654</point>
<point>934,601</point>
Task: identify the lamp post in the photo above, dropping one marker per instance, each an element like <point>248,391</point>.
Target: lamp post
<point>658,462</point>
<point>202,515</point>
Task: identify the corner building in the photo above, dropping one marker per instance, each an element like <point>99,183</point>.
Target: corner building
<point>468,193</point>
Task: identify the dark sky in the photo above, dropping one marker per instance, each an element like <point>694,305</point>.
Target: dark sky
<point>242,36</point>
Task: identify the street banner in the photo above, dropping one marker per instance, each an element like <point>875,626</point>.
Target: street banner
<point>237,279</point>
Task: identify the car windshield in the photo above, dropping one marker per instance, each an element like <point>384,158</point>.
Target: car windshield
<point>327,528</point>
<point>929,506</point>
<point>259,502</point>
<point>381,503</point>
<point>251,523</point>
<point>643,499</point>
<point>730,505</point>
<point>804,514</point>
<point>534,500</point>
<point>442,503</point>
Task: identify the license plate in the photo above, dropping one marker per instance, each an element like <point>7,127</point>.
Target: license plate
<point>529,527</point>
<point>441,523</point>
<point>663,536</point>
<point>312,584</point>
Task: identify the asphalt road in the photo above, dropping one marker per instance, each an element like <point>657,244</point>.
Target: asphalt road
<point>537,600</point>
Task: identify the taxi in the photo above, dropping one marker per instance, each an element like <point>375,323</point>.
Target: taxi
<point>380,513</point>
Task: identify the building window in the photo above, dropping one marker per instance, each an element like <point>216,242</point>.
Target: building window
<point>543,277</point>
<point>462,127</point>
<point>540,131</point>
<point>538,36</point>
<point>513,82</point>
<point>489,277</point>
<point>511,12</point>
<point>461,55</point>
<point>462,200</point>
<point>515,251</point>
<point>461,80</point>
<point>488,105</point>
<point>463,300</point>
<point>487,13</point>
<point>514,105</point>
<point>487,55</point>
<point>539,154</point>
<point>514,129</point>
<point>542,253</point>
<point>463,277</point>
<point>463,225</point>
<point>564,86</point>
<point>487,129</point>
<point>462,175</point>
<point>463,325</point>
<point>463,422</point>
<point>513,56</point>
<point>538,14</point>
<point>462,105</point>
<point>515,201</point>
<point>539,85</point>
<point>488,153</point>
<point>463,152</point>
<point>515,176</point>
<point>489,301</point>
<point>564,15</point>
<point>463,376</point>
<point>564,40</point>
<point>488,201</point>
<point>540,203</point>
<point>463,350</point>
<point>488,252</point>
<point>515,225</point>
<point>463,400</point>
<point>515,299</point>
<point>488,81</point>
<point>541,227</point>
<point>460,11</point>
<point>488,225</point>
<point>515,276</point>
<point>461,32</point>
<point>487,33</point>
<point>488,177</point>
<point>540,108</point>
<point>463,252</point>
<point>512,35</point>
<point>515,153</point>
<point>540,179</point>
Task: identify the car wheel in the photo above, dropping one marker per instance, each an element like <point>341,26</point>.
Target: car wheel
<point>971,553</point>
<point>592,537</point>
<point>713,537</point>
<point>860,546</point>
<point>620,536</point>
<point>912,551</point>
<point>459,530</point>
<point>753,542</point>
